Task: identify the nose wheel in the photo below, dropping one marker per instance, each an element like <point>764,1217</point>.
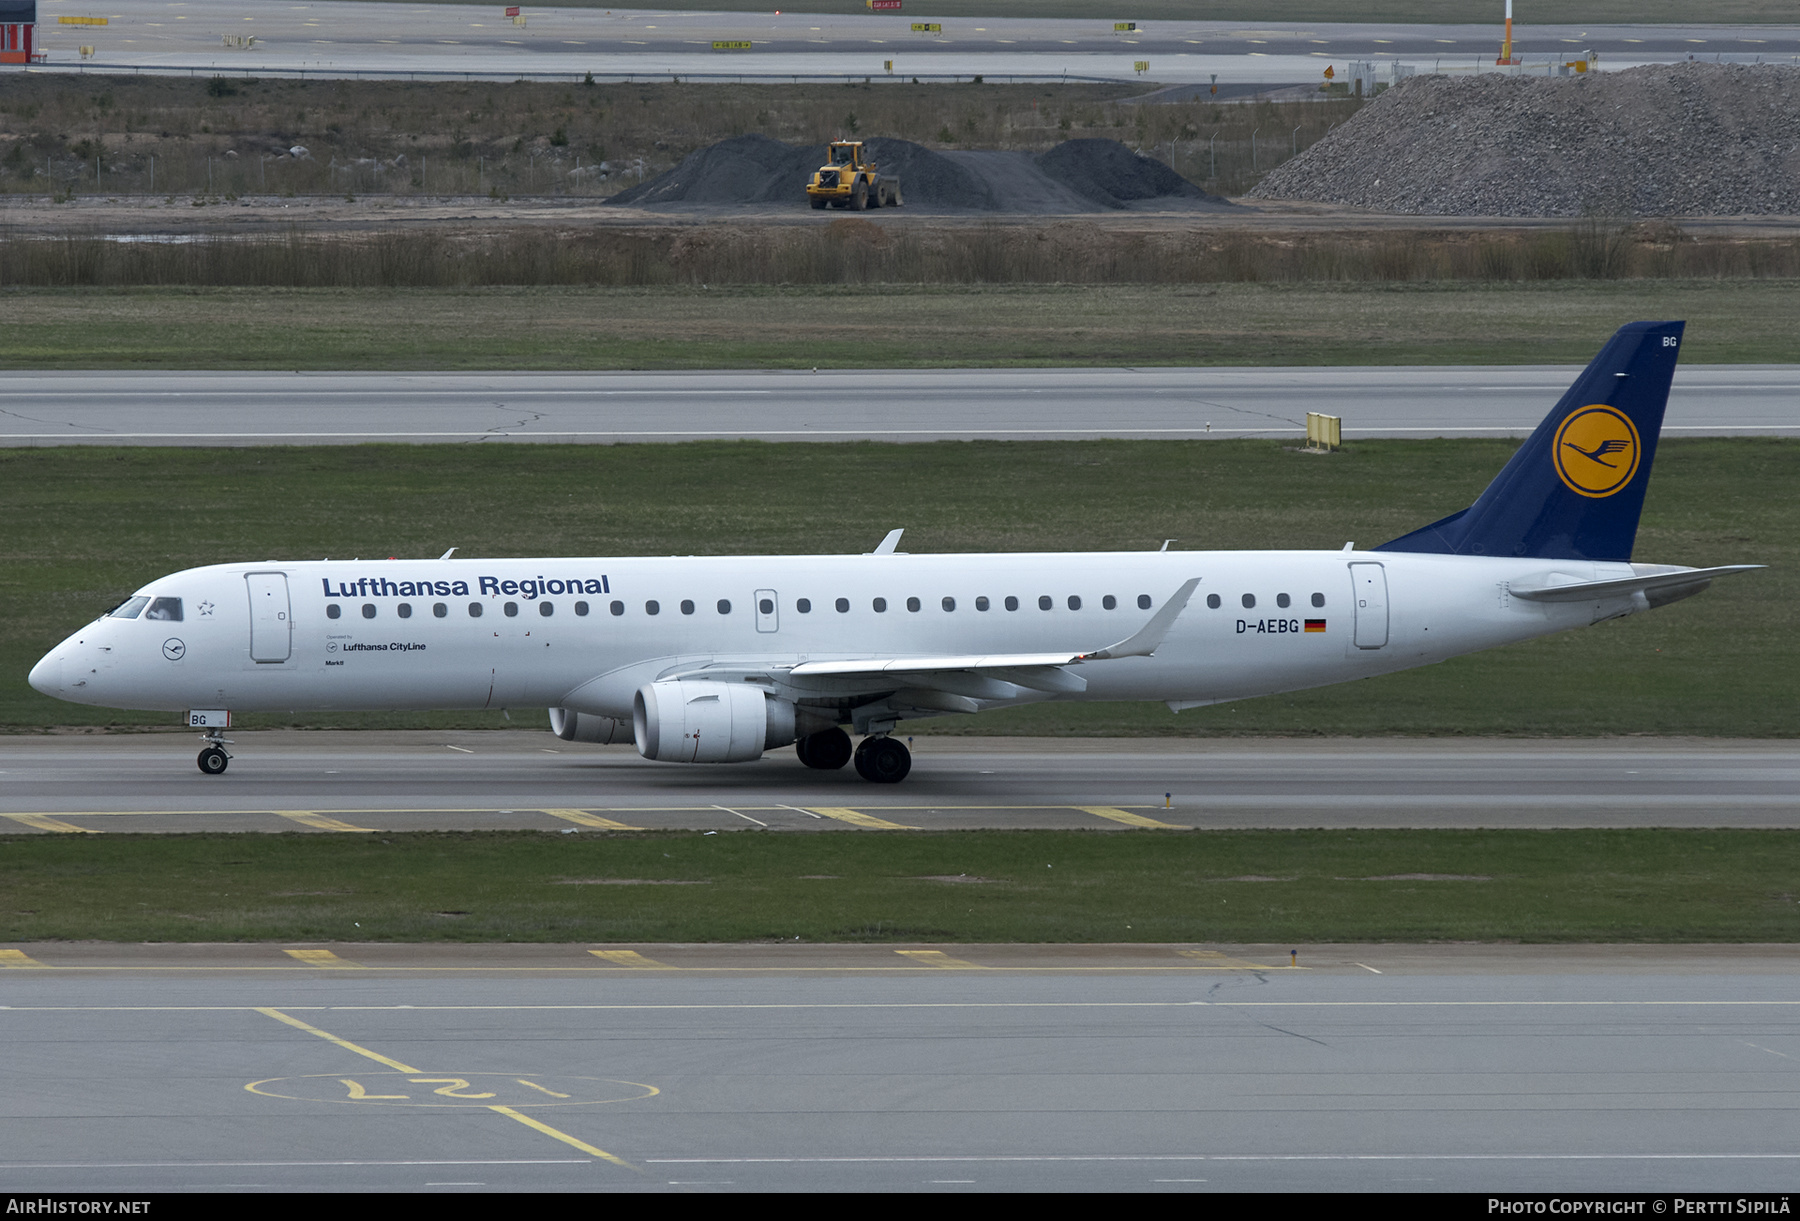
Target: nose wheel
<point>214,759</point>
<point>882,760</point>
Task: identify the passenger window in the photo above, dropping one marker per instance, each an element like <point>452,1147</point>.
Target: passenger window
<point>617,608</point>
<point>912,604</point>
<point>949,604</point>
<point>1012,603</point>
<point>651,608</point>
<point>368,610</point>
<point>404,610</point>
<point>1074,601</point>
<point>981,604</point>
<point>766,607</point>
<point>581,608</point>
<point>1045,602</point>
<point>687,606</point>
<point>333,610</point>
<point>1249,601</point>
<point>166,609</point>
<point>1283,601</point>
<point>511,609</point>
<point>438,609</point>
<point>724,606</point>
<point>880,605</point>
<point>129,609</point>
<point>1143,601</point>
<point>546,609</point>
<point>1109,602</point>
<point>1212,600</point>
<point>1318,599</point>
<point>474,610</point>
<point>843,606</point>
<point>804,606</point>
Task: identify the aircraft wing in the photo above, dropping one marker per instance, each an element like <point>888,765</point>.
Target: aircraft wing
<point>1142,643</point>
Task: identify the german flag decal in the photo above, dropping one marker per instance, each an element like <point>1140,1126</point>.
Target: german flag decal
<point>1315,625</point>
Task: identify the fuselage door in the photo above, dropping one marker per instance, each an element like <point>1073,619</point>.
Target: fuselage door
<point>766,613</point>
<point>1368,590</point>
<point>271,619</point>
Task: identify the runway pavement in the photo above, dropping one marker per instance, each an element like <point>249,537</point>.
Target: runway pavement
<point>415,781</point>
<point>943,1068</point>
<point>400,40</point>
<point>1008,404</point>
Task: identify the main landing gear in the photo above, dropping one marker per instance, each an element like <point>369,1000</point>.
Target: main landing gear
<point>827,750</point>
<point>881,760</point>
<point>214,759</point>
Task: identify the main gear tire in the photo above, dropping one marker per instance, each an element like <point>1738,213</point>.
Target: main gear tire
<point>883,761</point>
<point>827,750</point>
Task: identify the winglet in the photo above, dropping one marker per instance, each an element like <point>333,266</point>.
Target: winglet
<point>1145,641</point>
<point>887,545</point>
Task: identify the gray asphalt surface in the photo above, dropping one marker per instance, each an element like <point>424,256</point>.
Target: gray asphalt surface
<point>1090,1068</point>
<point>332,39</point>
<point>1007,404</point>
<point>347,781</point>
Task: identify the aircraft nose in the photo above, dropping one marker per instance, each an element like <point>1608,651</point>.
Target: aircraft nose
<point>47,675</point>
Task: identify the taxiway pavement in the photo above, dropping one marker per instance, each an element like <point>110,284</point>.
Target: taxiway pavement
<point>81,408</point>
<point>463,780</point>
<point>945,1068</point>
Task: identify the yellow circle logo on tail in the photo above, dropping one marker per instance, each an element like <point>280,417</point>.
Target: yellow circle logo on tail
<point>1596,450</point>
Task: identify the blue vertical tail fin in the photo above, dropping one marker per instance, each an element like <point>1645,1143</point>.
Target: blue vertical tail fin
<point>1575,489</point>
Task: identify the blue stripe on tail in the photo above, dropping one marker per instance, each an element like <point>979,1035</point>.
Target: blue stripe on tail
<point>1576,487</point>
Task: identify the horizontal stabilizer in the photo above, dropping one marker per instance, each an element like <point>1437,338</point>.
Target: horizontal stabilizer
<point>1668,578</point>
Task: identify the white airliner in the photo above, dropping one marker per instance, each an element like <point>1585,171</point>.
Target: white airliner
<point>715,660</point>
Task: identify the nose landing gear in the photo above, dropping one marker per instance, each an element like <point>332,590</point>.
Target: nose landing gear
<point>214,759</point>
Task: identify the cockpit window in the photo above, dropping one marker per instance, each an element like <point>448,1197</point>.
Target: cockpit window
<point>129,609</point>
<point>165,608</point>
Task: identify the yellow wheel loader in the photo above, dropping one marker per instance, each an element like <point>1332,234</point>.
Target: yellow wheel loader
<point>848,181</point>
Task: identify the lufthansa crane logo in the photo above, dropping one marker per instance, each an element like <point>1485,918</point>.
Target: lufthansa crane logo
<point>1596,450</point>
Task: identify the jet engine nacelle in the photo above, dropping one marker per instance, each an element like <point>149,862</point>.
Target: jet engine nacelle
<point>573,726</point>
<point>695,721</point>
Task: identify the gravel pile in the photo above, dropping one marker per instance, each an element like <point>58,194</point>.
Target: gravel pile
<point>1113,176</point>
<point>1665,140</point>
<point>1075,176</point>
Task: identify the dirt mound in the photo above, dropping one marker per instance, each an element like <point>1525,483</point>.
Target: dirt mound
<point>743,169</point>
<point>1076,176</point>
<point>1665,140</point>
<point>1111,175</point>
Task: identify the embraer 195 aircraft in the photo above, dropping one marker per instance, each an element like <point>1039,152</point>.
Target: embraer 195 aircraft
<point>716,660</point>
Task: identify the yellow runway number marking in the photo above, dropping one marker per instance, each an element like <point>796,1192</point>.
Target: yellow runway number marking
<point>456,1091</point>
<point>631,958</point>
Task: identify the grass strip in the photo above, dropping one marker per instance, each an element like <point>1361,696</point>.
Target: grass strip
<point>87,526</point>
<point>883,326</point>
<point>1035,886</point>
